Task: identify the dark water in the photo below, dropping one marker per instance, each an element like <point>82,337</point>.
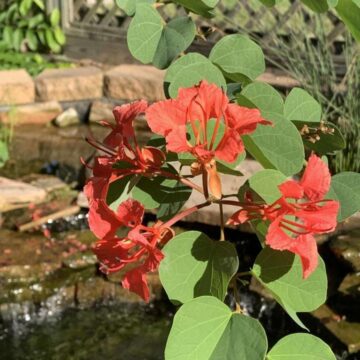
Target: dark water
<point>106,332</point>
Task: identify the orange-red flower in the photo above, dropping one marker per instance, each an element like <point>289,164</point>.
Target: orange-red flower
<point>299,213</point>
<point>139,248</point>
<point>203,122</point>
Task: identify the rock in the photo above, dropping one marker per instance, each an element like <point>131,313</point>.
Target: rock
<point>16,194</point>
<point>67,118</point>
<point>101,110</point>
<point>38,113</point>
<point>347,248</point>
<point>69,84</point>
<point>16,87</point>
<point>132,82</point>
<point>347,332</point>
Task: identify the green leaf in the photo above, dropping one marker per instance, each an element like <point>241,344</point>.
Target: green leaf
<point>40,4</point>
<point>120,190</point>
<point>265,184</point>
<point>129,6</point>
<point>59,36</point>
<point>8,35</point>
<point>300,346</point>
<point>349,12</point>
<point>201,7</point>
<point>24,7</point>
<point>345,188</point>
<point>238,57</point>
<point>265,98</point>
<point>55,17</point>
<point>36,20</point>
<point>317,5</point>
<point>189,70</point>
<point>229,168</point>
<point>173,200</point>
<point>194,266</point>
<point>301,106</point>
<point>150,39</point>
<point>206,329</point>
<point>176,37</point>
<point>281,273</point>
<point>32,40</point>
<point>4,153</point>
<point>50,41</point>
<point>17,39</point>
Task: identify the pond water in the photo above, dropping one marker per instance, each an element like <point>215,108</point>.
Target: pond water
<point>106,332</point>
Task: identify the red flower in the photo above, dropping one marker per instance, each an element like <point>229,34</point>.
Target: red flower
<point>300,212</point>
<point>124,157</point>
<point>191,113</point>
<point>139,247</point>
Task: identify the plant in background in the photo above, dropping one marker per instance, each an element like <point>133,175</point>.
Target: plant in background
<point>216,112</point>
<point>25,26</point>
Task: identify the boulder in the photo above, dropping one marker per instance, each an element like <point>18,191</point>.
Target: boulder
<point>67,118</point>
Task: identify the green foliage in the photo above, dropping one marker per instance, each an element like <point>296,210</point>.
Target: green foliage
<point>201,7</point>
<point>300,347</point>
<point>195,265</point>
<point>238,57</point>
<point>206,329</point>
<point>25,25</point>
<point>349,12</point>
<point>345,188</point>
<point>281,273</point>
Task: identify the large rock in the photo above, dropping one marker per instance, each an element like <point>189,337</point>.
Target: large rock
<point>16,87</point>
<point>132,82</point>
<point>15,194</point>
<point>69,84</point>
<point>101,111</point>
<point>38,113</point>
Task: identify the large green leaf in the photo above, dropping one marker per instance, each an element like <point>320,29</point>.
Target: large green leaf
<point>194,266</point>
<point>129,6</point>
<point>176,37</point>
<point>201,7</point>
<point>264,97</point>
<point>349,12</point>
<point>281,273</point>
<point>4,153</point>
<point>265,184</point>
<point>189,70</point>
<point>206,329</point>
<point>238,56</point>
<point>301,106</point>
<point>55,17</point>
<point>345,188</point>
<point>150,39</point>
<point>32,40</point>
<point>300,346</point>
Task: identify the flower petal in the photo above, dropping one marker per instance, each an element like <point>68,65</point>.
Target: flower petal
<point>291,189</point>
<point>316,179</point>
<point>135,281</point>
<point>130,212</point>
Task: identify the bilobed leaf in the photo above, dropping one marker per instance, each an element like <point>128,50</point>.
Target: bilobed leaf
<point>301,106</point>
<point>265,98</point>
<point>206,329</point>
<point>144,33</point>
<point>349,12</point>
<point>150,39</point>
<point>176,37</point>
<point>201,7</point>
<point>195,266</point>
<point>300,346</point>
<point>265,184</point>
<point>345,188</point>
<point>238,57</point>
<point>129,6</point>
<point>173,200</point>
<point>281,273</point>
<point>189,70</point>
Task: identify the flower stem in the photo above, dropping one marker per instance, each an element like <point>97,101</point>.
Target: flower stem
<point>205,184</point>
<point>222,224</point>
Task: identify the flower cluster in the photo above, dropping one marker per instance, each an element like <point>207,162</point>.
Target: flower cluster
<point>298,214</point>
